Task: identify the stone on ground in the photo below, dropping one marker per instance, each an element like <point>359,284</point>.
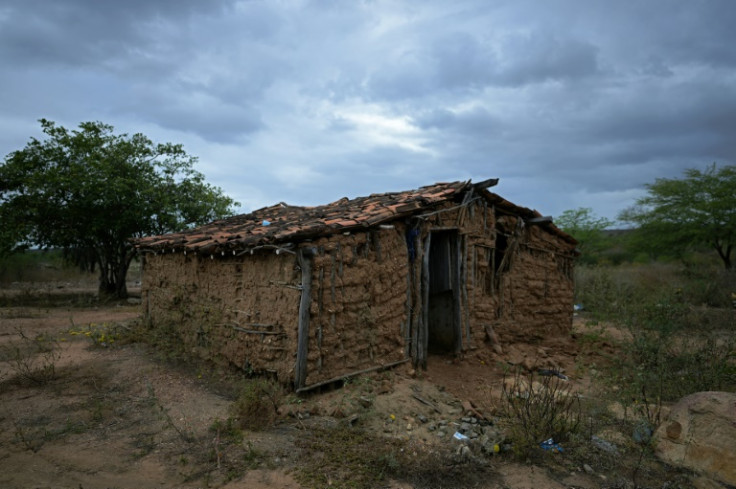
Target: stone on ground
<point>700,435</point>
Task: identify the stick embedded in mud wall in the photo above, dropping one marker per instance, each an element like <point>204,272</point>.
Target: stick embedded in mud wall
<point>300,370</point>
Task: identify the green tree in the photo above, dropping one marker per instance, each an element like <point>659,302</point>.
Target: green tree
<point>679,215</point>
<point>587,228</point>
<point>89,191</point>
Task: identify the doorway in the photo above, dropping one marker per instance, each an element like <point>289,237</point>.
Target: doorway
<point>443,300</point>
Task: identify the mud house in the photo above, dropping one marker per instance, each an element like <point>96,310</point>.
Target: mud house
<point>313,294</point>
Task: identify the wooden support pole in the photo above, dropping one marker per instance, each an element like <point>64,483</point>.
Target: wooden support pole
<point>351,374</point>
<point>407,329</point>
<point>423,329</point>
<point>456,294</point>
<point>300,371</point>
<point>464,287</point>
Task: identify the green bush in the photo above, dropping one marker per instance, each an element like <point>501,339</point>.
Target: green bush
<point>257,405</point>
<point>680,324</point>
<point>38,266</point>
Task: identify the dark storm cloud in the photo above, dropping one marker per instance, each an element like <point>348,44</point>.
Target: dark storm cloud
<point>570,103</point>
<point>460,61</point>
<point>87,32</point>
<point>542,57</point>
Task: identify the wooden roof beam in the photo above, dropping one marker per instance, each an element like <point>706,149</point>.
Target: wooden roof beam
<point>491,182</point>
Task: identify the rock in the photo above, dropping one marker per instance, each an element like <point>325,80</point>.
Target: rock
<point>700,435</point>
<point>365,402</point>
<point>422,419</point>
<point>588,469</point>
<point>441,434</point>
<point>604,445</point>
<point>703,482</point>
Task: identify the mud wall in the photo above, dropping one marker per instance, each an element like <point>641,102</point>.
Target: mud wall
<point>358,317</point>
<point>515,277</point>
<point>366,300</point>
<point>535,296</point>
<point>242,310</point>
<point>475,225</point>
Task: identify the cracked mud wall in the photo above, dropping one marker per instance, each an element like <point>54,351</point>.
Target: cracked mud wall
<point>358,310</point>
<point>536,298</point>
<point>366,298</point>
<point>241,310</point>
<point>515,278</point>
<point>245,309</point>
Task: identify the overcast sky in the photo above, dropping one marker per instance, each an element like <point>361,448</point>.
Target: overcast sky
<point>571,103</point>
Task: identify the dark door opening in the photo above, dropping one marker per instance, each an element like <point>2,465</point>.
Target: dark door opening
<point>443,330</point>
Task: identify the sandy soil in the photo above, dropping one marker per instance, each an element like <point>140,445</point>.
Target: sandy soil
<point>118,416</point>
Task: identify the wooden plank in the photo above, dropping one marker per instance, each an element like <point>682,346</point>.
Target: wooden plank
<point>464,287</point>
<point>320,299</point>
<point>428,403</point>
<point>255,331</point>
<point>300,372</point>
<point>416,319</point>
<point>351,374</point>
<point>407,328</point>
<point>456,295</point>
<point>423,330</point>
<point>540,220</point>
<point>486,183</point>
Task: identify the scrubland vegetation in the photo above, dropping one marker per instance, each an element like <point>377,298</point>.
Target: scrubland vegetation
<point>648,332</point>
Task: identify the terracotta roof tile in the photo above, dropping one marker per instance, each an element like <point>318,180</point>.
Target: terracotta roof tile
<point>288,223</point>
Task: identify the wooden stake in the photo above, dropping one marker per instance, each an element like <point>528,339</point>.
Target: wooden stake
<point>300,372</point>
<point>423,330</point>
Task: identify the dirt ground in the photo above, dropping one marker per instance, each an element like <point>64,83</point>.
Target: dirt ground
<point>114,415</point>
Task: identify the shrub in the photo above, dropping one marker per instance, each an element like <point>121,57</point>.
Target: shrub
<point>32,359</point>
<point>538,408</point>
<point>257,405</point>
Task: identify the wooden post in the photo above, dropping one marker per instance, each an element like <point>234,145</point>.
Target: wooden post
<point>300,371</point>
<point>456,294</point>
<point>406,330</point>
<point>320,301</point>
<point>423,326</point>
<point>465,306</point>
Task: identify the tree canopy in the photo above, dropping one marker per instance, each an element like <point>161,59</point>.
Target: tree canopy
<point>587,228</point>
<point>89,191</point>
<point>680,214</point>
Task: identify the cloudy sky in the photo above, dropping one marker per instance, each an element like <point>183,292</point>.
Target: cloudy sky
<point>571,103</point>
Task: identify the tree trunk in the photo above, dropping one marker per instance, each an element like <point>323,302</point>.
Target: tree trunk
<point>113,271</point>
<point>725,255</point>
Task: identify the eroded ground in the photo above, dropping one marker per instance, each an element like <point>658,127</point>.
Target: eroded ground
<point>114,413</point>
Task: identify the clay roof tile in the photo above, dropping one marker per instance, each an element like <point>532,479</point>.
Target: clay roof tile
<point>289,222</point>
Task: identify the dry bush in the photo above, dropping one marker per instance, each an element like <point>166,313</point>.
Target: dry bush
<point>353,457</point>
<point>538,408</point>
<point>32,359</point>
